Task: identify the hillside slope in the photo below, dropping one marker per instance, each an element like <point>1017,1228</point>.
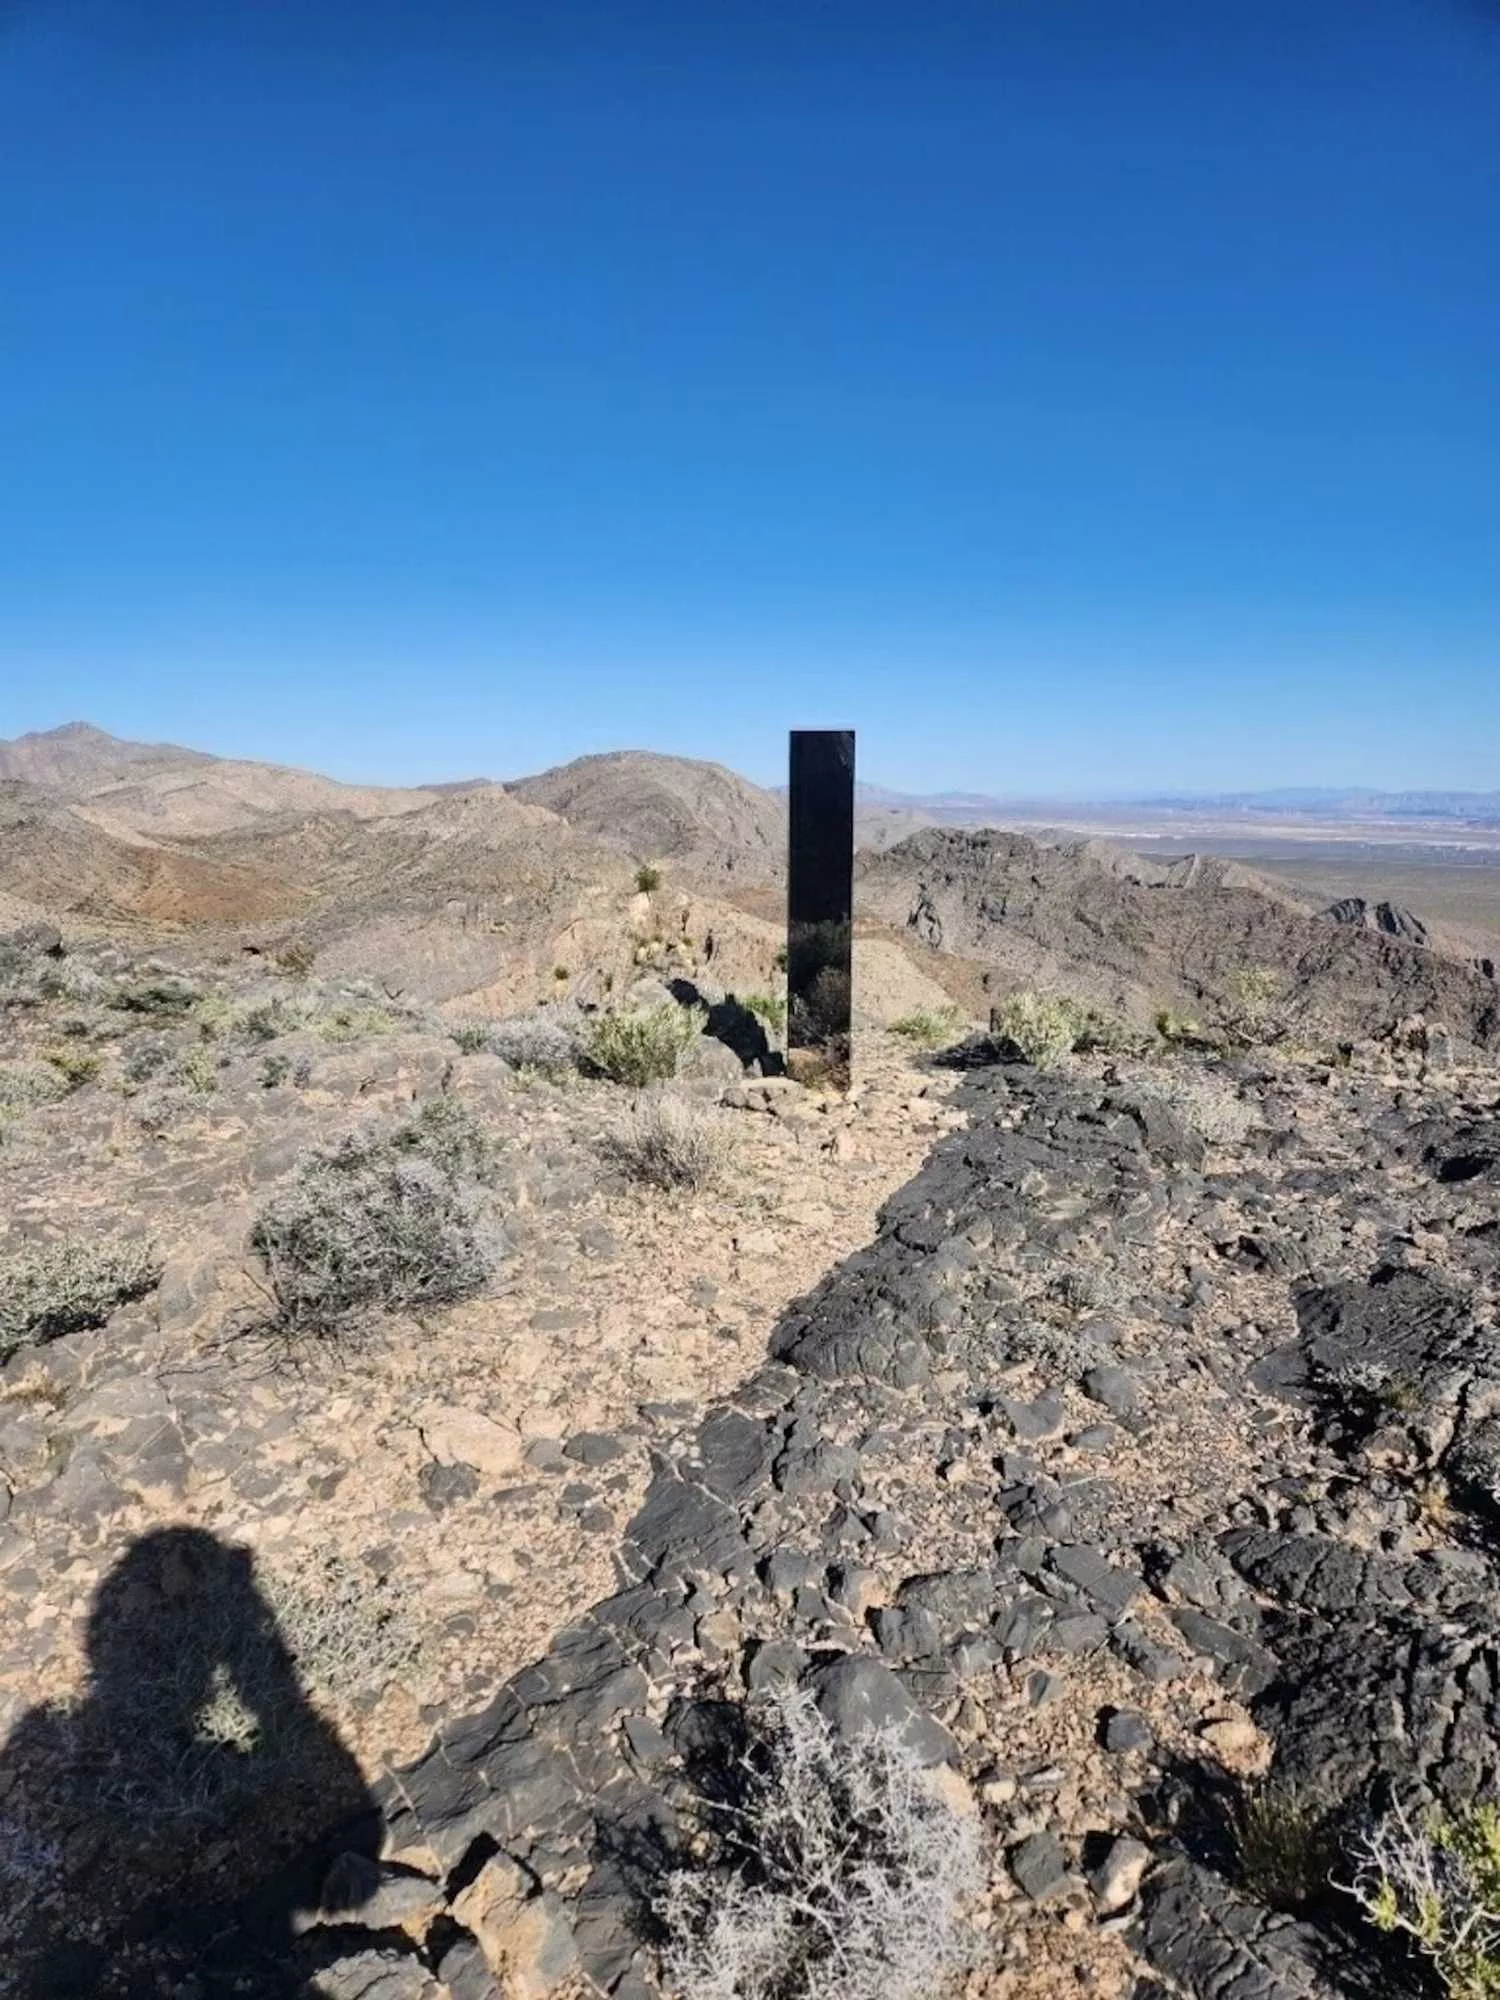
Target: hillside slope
<point>54,857</point>
<point>700,816</point>
<point>169,792</point>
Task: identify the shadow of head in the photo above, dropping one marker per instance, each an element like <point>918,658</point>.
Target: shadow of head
<point>191,1768</point>
<point>731,1022</point>
<point>179,1611</point>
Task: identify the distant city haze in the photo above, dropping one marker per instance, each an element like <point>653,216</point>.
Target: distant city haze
<point>1080,400</point>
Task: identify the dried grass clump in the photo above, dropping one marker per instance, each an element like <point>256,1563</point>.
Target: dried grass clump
<point>1439,1884</point>
<point>1286,1845</point>
<point>349,1633</point>
<point>48,1289</point>
<point>643,1048</point>
<point>671,1142</point>
<point>390,1222</point>
<point>838,1873</point>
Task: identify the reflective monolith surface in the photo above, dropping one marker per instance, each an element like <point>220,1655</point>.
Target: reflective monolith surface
<point>820,904</point>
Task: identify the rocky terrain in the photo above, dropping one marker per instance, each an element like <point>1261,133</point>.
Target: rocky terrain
<point>427,1459</point>
<point>1134,935</point>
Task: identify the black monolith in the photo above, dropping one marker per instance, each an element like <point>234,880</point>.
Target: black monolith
<point>820,904</point>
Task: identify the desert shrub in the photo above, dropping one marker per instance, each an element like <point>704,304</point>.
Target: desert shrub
<point>350,1633</point>
<point>1255,988</point>
<point>1090,1288</point>
<point>840,1873</point>
<point>196,1071</point>
<point>48,1289</point>
<point>929,1027</point>
<point>471,1037</point>
<point>384,1221</point>
<point>356,1021</point>
<point>1094,1029</point>
<point>26,1084</point>
<point>76,1067</point>
<point>642,1048</point>
<point>146,1060</point>
<point>1440,1885</point>
<point>67,979</point>
<point>1285,1846</point>
<point>671,1142</point>
<point>345,1241</point>
<point>214,1016</point>
<point>260,1021</point>
<point>770,1008</point>
<point>822,1013</point>
<point>446,1132</point>
<point>547,1039</point>
<point>1178,1028</point>
<point>162,995</point>
<point>1038,1028</point>
<point>647,878</point>
<point>295,960</point>
<point>1209,1105</point>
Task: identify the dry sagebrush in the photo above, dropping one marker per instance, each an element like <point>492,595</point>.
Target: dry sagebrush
<point>48,1289</point>
<point>391,1222</point>
<point>842,1874</point>
<point>1209,1105</point>
<point>1439,1884</point>
<point>671,1142</point>
<point>547,1039</point>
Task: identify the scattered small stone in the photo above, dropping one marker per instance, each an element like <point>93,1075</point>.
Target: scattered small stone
<point>1038,1866</point>
<point>1126,1730</point>
<point>594,1448</point>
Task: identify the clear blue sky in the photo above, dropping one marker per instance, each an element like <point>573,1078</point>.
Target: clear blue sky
<point>1073,395</point>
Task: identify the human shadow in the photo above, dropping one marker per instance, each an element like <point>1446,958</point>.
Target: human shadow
<point>731,1022</point>
<point>179,1817</point>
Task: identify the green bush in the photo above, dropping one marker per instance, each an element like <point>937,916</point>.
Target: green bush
<point>1037,1028</point>
<point>647,878</point>
<point>929,1027</point>
<point>1286,1846</point>
<point>355,1021</point>
<point>643,1048</point>
<point>770,1008</point>
<point>1439,1884</point>
<point>48,1289</point>
<point>75,1066</point>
